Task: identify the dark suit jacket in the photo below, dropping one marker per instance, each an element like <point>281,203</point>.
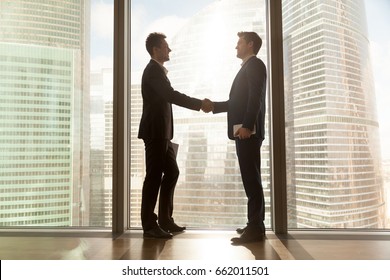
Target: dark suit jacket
<point>158,97</point>
<point>246,104</point>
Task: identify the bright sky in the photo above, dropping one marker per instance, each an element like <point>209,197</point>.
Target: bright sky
<point>161,15</point>
<point>378,26</point>
<point>102,30</point>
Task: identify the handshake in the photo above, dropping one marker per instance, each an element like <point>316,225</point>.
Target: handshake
<point>207,105</point>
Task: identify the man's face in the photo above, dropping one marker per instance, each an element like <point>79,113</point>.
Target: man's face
<point>162,52</point>
<point>243,48</point>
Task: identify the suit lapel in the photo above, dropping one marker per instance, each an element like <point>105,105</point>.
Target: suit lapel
<point>162,70</point>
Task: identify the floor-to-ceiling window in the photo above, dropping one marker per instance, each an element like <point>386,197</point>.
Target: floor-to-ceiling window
<point>55,92</point>
<point>57,111</point>
<point>203,64</point>
<point>335,112</point>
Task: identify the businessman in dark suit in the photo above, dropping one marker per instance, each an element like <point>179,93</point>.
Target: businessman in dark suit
<point>156,130</point>
<point>246,113</point>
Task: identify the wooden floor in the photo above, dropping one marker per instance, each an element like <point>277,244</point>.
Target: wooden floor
<point>193,245</point>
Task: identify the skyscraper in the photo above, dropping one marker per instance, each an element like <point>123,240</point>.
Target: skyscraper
<point>44,120</point>
<point>333,151</point>
<point>137,154</point>
<point>101,148</point>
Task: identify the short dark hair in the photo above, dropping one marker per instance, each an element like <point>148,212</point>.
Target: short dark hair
<point>154,40</point>
<point>251,37</point>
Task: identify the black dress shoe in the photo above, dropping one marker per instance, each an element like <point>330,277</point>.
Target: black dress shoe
<point>241,230</point>
<point>172,227</point>
<point>157,232</point>
<point>249,235</point>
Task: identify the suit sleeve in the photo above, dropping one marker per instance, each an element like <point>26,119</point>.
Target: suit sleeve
<point>161,85</point>
<point>256,74</point>
<point>220,107</point>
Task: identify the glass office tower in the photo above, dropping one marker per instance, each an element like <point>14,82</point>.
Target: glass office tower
<point>137,154</point>
<point>44,120</point>
<point>101,147</point>
<point>333,152</point>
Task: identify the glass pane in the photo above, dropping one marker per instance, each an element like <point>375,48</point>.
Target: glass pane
<point>203,64</point>
<point>333,140</point>
<point>50,173</point>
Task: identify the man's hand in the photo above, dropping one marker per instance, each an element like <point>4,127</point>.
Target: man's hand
<point>243,133</point>
<point>207,105</point>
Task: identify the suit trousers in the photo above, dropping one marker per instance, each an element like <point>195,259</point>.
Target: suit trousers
<point>162,174</point>
<point>248,153</point>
